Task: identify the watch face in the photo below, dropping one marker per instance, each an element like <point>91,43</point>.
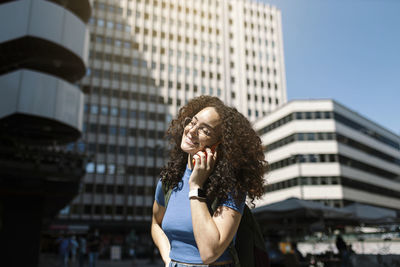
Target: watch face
<point>201,193</point>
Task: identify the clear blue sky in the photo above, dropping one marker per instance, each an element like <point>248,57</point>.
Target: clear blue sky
<point>347,50</point>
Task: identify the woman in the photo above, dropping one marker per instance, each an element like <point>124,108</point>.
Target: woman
<point>186,233</point>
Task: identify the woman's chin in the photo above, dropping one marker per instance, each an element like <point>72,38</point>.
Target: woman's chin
<point>189,149</point>
<point>186,148</point>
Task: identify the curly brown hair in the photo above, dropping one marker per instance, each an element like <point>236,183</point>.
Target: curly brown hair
<point>240,165</point>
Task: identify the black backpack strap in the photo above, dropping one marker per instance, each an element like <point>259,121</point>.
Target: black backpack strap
<point>167,194</point>
<point>234,254</point>
<point>214,205</point>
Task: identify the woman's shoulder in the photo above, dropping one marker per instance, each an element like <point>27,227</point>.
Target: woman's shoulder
<point>234,200</point>
<point>159,194</point>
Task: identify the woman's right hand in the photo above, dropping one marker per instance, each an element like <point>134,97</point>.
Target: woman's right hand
<point>205,161</point>
<point>167,262</point>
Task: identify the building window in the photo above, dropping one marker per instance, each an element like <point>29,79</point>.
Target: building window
<point>113,130</point>
<point>94,109</point>
<point>104,110</point>
<point>100,168</point>
<point>90,167</point>
<point>114,111</point>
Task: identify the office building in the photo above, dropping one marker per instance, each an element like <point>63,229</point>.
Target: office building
<point>43,48</point>
<point>147,59</point>
<point>321,150</point>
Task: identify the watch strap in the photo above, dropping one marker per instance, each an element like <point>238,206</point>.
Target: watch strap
<point>197,193</point>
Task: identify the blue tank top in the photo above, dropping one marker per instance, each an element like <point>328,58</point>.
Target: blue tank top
<point>177,222</point>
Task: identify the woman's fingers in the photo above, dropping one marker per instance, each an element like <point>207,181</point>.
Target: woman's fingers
<point>205,159</point>
<point>200,158</point>
<point>204,163</point>
<point>196,160</point>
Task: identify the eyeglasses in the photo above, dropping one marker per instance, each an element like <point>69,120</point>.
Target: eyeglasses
<point>189,123</point>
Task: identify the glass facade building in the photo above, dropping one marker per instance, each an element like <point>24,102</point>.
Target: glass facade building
<point>147,58</point>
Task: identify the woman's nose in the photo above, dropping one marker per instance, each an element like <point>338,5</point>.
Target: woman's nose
<point>193,130</point>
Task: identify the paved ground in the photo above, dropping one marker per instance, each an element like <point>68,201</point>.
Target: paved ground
<point>51,260</point>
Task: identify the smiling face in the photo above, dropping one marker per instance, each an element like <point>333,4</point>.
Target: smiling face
<point>201,132</point>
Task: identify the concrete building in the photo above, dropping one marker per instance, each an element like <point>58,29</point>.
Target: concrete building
<point>147,59</point>
<point>43,48</point>
<point>321,150</point>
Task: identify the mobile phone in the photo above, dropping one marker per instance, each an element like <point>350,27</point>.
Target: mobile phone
<point>213,148</point>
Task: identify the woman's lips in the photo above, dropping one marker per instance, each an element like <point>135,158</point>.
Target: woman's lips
<point>190,141</point>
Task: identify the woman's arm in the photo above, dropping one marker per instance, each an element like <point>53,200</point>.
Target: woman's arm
<point>213,234</point>
<point>158,235</point>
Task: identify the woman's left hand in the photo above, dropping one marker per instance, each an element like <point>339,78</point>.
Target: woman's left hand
<point>204,165</point>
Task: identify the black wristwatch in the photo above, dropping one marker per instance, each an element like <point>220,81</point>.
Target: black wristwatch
<point>197,193</point>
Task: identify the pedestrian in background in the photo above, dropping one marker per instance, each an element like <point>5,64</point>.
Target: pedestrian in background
<point>82,250</point>
<point>73,246</point>
<point>343,251</point>
<point>94,243</point>
<point>63,249</point>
